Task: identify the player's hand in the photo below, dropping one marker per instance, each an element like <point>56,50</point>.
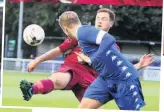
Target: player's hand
<point>80,60</point>
<point>146,60</point>
<point>83,57</point>
<point>32,65</point>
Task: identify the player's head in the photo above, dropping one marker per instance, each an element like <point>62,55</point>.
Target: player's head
<point>105,19</point>
<point>68,22</point>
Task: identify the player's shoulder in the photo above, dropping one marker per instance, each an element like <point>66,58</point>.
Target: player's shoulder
<point>87,27</point>
<point>87,30</point>
<point>70,40</point>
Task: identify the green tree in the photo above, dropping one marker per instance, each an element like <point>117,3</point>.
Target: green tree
<point>132,22</point>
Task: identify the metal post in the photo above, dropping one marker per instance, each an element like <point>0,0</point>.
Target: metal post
<point>19,44</point>
<point>6,46</point>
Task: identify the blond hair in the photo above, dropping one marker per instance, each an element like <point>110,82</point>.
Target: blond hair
<point>68,18</point>
<point>110,12</point>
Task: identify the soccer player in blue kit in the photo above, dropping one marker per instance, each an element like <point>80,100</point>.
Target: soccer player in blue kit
<point>118,79</point>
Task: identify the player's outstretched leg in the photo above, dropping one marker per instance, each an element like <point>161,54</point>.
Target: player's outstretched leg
<point>56,81</point>
<point>26,88</point>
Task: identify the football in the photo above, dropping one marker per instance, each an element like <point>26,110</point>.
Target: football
<point>33,35</point>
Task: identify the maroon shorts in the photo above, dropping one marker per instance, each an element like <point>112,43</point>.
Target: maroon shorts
<point>81,77</point>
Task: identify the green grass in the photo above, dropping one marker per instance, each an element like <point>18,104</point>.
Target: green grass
<point>63,99</point>
<point>14,110</point>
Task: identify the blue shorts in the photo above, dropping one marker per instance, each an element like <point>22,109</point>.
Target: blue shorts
<point>127,95</point>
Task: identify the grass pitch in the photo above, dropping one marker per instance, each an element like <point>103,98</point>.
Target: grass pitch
<point>63,99</point>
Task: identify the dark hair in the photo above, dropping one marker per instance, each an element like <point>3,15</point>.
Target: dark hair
<point>109,11</point>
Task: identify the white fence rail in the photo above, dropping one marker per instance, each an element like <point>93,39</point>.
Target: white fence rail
<point>20,65</point>
<point>13,64</point>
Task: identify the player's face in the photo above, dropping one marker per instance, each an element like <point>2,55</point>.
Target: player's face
<point>67,31</point>
<point>103,21</point>
<point>64,30</point>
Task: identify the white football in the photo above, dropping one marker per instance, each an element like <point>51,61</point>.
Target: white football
<point>33,35</point>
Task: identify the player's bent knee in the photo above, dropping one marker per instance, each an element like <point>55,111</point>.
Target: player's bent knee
<point>87,103</point>
<point>60,80</point>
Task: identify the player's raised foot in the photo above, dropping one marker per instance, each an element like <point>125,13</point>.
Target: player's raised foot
<point>26,88</point>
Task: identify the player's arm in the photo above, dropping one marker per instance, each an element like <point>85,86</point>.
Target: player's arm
<point>137,66</point>
<point>145,61</point>
<point>46,56</point>
<point>53,53</point>
<point>105,41</point>
<point>62,48</point>
<point>99,37</point>
<point>66,45</point>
